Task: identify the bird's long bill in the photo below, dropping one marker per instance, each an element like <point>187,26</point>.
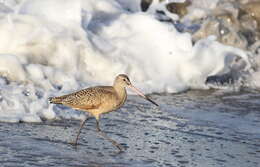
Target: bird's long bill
<point>142,95</point>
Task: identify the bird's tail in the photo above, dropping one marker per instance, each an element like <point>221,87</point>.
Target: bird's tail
<point>55,100</point>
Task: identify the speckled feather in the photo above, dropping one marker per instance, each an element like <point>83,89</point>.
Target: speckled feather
<point>97,100</point>
<point>90,98</point>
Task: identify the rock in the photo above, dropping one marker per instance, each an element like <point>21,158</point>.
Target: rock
<point>178,8</point>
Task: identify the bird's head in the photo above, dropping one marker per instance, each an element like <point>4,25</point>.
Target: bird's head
<point>123,80</point>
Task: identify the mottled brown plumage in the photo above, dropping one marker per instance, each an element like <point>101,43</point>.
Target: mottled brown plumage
<point>99,100</point>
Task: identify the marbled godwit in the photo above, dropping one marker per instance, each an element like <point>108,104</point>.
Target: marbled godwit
<point>99,100</point>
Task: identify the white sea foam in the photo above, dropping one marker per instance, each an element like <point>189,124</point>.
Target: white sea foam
<point>53,47</point>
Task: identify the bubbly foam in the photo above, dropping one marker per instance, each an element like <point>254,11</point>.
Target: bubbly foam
<point>53,47</point>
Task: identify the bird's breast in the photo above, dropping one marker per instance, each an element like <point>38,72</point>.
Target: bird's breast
<point>121,101</point>
<point>113,102</point>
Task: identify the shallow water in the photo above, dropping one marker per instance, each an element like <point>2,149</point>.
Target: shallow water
<point>196,128</point>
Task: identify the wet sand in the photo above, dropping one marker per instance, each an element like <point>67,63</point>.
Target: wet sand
<point>196,128</point>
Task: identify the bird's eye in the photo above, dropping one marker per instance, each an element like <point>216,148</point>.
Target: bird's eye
<point>124,79</point>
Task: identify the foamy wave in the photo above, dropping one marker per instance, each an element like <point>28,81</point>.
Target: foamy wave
<point>57,46</point>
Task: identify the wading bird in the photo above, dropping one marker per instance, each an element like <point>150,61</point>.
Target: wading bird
<point>99,100</point>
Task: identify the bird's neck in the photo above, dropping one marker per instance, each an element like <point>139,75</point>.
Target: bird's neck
<point>121,91</point>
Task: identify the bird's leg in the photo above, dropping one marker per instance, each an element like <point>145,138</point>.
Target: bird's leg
<point>107,138</point>
<point>81,125</point>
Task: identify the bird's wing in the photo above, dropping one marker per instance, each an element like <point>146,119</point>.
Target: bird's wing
<point>90,98</point>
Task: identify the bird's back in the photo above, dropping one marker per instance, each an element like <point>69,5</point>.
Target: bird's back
<point>91,98</point>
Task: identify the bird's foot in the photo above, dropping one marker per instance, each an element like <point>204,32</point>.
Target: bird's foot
<point>118,151</point>
<point>73,143</point>
<point>120,148</point>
